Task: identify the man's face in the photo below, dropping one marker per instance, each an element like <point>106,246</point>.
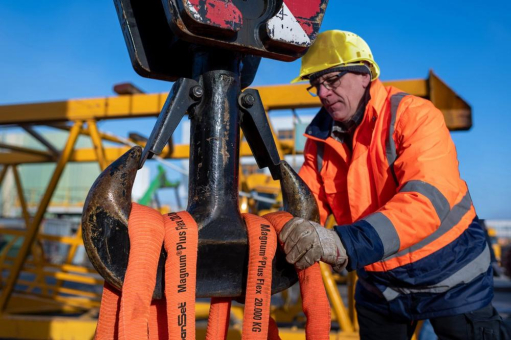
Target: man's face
<point>341,97</point>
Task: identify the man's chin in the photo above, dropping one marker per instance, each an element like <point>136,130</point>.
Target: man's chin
<point>339,116</point>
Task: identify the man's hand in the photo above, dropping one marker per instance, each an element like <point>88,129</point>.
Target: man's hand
<point>306,242</point>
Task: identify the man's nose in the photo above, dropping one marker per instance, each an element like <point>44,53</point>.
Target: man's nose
<point>323,92</point>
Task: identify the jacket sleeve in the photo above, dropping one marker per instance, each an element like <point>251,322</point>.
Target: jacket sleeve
<point>428,187</point>
<point>309,174</point>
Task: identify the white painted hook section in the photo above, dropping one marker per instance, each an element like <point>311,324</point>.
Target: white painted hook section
<point>285,28</point>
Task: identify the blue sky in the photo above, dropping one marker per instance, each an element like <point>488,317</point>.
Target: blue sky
<point>55,50</point>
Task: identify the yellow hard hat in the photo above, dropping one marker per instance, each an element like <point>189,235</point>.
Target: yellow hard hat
<point>336,49</point>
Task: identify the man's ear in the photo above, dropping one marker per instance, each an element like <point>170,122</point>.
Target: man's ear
<point>366,80</point>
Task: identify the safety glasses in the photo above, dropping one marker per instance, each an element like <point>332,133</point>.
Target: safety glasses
<point>329,83</point>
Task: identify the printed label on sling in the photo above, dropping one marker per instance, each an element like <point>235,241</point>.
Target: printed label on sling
<point>181,318</point>
<point>260,282</point>
<point>182,229</point>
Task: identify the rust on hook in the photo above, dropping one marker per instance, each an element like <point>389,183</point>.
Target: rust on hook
<point>298,199</point>
<point>105,219</point>
<point>108,205</point>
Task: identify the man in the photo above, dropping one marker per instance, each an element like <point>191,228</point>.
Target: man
<point>383,163</point>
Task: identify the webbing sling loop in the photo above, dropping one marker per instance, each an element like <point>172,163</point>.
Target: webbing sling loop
<point>132,314</point>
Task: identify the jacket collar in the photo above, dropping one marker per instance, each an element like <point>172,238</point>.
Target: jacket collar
<point>321,125</point>
<point>378,97</point>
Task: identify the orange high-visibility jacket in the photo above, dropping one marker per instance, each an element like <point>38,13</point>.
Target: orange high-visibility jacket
<point>403,213</point>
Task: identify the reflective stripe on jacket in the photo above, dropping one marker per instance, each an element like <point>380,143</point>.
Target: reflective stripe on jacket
<point>404,215</point>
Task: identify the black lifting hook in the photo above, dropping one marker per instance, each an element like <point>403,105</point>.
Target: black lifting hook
<point>108,204</point>
<point>218,112</point>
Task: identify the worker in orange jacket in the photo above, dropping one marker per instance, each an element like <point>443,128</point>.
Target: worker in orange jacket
<point>383,163</point>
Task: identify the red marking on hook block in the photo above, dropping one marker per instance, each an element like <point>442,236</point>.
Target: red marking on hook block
<point>277,29</point>
<point>305,12</point>
<point>218,13</point>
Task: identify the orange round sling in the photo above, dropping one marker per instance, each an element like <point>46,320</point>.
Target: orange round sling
<point>132,314</point>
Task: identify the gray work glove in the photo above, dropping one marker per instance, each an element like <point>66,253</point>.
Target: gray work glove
<point>306,242</point>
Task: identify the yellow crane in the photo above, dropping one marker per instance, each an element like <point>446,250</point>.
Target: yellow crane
<point>34,290</point>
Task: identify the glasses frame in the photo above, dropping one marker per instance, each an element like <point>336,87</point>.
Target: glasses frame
<point>330,84</point>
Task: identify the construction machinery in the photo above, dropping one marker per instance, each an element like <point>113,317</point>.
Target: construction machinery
<point>159,182</point>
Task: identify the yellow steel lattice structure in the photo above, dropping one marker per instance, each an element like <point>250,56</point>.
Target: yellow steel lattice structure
<point>29,284</point>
